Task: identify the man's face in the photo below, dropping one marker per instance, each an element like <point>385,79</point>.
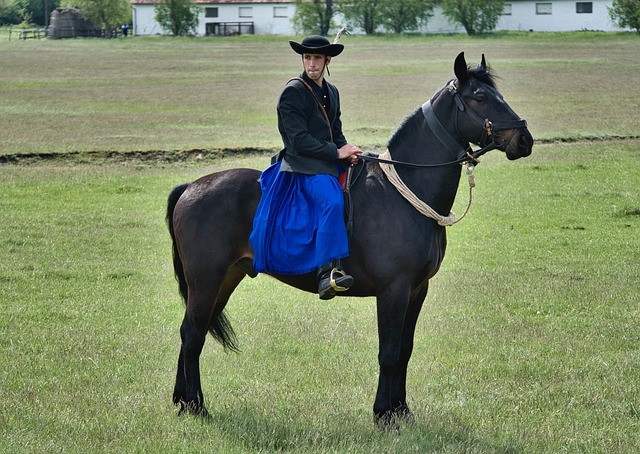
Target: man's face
<point>314,65</point>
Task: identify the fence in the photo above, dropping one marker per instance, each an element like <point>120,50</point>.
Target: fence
<point>229,28</point>
<point>27,33</point>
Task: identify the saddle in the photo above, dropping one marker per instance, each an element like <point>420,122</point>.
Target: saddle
<point>347,180</point>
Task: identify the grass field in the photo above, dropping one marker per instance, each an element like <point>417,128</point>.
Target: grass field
<point>179,94</point>
<point>529,341</point>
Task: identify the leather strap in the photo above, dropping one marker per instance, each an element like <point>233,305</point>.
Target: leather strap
<point>324,112</point>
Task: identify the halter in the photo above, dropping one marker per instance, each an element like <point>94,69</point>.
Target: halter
<point>487,126</point>
<point>465,154</point>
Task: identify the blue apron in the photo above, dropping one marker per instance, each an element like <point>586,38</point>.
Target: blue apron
<point>299,224</point>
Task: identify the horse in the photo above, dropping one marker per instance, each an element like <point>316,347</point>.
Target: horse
<point>394,248</point>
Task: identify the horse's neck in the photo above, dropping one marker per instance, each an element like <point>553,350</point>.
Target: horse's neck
<point>415,142</point>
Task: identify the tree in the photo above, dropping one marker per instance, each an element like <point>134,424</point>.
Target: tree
<point>476,16</point>
<point>363,14</point>
<point>626,14</point>
<point>313,17</point>
<point>181,17</point>
<point>12,11</point>
<point>405,15</point>
<point>106,14</point>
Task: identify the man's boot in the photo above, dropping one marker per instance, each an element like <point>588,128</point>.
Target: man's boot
<point>331,280</point>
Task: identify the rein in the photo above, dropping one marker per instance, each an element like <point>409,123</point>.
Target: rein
<point>465,155</point>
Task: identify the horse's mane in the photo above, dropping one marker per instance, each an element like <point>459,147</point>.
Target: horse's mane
<point>484,74</point>
<point>394,136</point>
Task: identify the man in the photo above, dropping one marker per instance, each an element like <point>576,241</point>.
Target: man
<point>299,225</point>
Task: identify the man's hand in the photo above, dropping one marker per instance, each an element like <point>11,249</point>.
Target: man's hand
<point>349,152</point>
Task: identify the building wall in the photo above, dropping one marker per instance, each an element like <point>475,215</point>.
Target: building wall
<point>524,15</point>
<point>563,16</point>
<point>267,18</point>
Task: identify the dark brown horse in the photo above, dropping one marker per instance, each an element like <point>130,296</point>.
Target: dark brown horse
<point>394,249</point>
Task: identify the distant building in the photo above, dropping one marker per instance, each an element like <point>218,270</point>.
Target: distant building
<point>68,23</point>
<point>273,17</point>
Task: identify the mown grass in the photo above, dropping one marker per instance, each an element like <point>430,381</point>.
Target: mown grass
<point>528,341</point>
<point>167,94</point>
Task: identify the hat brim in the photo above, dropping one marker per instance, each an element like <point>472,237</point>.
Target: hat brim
<point>330,49</point>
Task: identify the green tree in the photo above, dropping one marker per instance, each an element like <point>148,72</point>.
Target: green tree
<point>180,17</point>
<point>476,16</point>
<point>41,10</point>
<point>314,17</point>
<point>362,14</point>
<point>405,15</point>
<point>626,13</point>
<point>9,12</point>
<point>107,14</point>
<point>29,11</point>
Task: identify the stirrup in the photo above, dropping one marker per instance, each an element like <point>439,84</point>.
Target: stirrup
<point>331,282</point>
<point>334,284</point>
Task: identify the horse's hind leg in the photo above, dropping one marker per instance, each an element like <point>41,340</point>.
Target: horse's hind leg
<point>205,304</point>
<point>188,390</point>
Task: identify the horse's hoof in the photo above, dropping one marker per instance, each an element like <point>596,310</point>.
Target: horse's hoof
<point>403,413</point>
<point>192,408</point>
<point>387,421</point>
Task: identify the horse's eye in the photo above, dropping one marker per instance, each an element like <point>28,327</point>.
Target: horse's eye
<point>479,96</point>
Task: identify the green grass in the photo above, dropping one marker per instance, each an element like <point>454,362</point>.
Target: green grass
<point>529,339</point>
<point>212,93</point>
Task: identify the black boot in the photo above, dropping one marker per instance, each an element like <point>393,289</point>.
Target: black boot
<point>331,280</point>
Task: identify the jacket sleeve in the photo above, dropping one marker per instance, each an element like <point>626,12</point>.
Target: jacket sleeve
<point>298,113</point>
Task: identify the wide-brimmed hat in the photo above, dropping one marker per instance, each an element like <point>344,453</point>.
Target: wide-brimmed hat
<point>316,44</point>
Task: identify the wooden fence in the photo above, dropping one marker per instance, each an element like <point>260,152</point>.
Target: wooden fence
<point>27,33</point>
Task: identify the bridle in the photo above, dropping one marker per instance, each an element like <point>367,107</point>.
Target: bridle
<point>465,154</point>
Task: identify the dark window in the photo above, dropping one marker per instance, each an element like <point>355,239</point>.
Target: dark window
<point>584,7</point>
<point>211,12</point>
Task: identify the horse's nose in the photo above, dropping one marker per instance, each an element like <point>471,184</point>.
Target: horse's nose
<point>525,143</point>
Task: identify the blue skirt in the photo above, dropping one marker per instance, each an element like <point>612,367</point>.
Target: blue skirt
<point>299,225</point>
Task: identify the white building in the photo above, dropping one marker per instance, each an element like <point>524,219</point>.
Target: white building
<point>273,17</point>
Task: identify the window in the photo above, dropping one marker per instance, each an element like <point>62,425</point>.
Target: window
<point>506,11</point>
<point>584,7</point>
<point>211,12</point>
<point>280,11</point>
<point>245,11</point>
<point>543,8</point>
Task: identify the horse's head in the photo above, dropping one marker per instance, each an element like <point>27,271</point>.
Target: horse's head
<point>489,119</point>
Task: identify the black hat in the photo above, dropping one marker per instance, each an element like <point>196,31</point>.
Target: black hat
<point>316,44</point>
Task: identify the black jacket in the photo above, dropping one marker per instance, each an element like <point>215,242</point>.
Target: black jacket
<point>305,132</point>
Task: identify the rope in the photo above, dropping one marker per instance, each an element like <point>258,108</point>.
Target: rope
<point>445,221</point>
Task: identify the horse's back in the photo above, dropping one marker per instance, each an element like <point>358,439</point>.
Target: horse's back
<point>226,190</point>
<point>215,212</point>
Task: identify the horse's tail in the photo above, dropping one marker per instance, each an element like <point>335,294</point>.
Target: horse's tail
<point>220,327</point>
<point>177,263</point>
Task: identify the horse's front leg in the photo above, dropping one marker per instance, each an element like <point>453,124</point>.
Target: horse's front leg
<point>408,333</point>
<point>392,307</point>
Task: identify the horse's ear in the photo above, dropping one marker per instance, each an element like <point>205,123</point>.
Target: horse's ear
<point>483,62</point>
<point>460,68</point>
